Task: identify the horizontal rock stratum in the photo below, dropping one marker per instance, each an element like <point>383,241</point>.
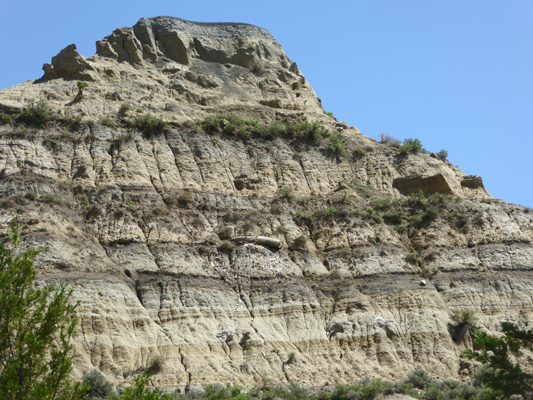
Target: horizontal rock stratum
<point>240,251</point>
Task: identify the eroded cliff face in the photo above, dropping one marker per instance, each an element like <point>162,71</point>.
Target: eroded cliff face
<point>145,225</point>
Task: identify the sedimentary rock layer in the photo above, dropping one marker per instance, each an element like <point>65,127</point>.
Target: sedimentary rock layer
<point>364,252</point>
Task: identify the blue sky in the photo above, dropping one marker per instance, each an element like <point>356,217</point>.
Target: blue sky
<point>457,74</point>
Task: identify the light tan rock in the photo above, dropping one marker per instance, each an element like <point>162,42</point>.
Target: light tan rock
<point>141,225</point>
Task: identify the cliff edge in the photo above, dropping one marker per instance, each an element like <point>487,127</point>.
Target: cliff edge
<point>211,218</point>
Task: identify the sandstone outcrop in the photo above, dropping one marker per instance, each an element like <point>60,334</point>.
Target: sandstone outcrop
<point>253,259</point>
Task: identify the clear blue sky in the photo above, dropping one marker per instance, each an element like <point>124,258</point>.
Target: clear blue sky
<point>457,74</point>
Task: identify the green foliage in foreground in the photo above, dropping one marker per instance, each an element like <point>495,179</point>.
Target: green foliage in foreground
<point>141,391</point>
<point>501,372</point>
<point>36,326</point>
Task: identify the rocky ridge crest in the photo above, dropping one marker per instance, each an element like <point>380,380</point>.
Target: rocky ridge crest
<point>177,69</point>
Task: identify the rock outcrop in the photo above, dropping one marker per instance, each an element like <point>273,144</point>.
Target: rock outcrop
<point>253,258</point>
<point>178,69</point>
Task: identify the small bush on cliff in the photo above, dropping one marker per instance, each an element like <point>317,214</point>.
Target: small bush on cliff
<point>463,317</point>
<point>5,118</point>
<point>442,155</point>
<point>36,326</point>
<point>124,108</point>
<point>358,152</point>
<point>310,131</point>
<point>337,143</point>
<point>389,140</point>
<point>149,125</point>
<point>411,146</point>
<point>232,125</point>
<point>285,193</point>
<point>81,85</point>
<point>36,114</point>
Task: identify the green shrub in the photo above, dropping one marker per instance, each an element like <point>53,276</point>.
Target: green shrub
<point>372,215</point>
<point>388,140</point>
<point>124,108</point>
<point>450,389</point>
<point>344,198</point>
<point>410,146</point>
<point>71,122</point>
<point>140,391</point>
<point>331,211</point>
<point>232,125</point>
<point>417,200</point>
<point>14,199</point>
<point>50,199</point>
<point>382,204</point>
<point>419,378</point>
<point>302,219</point>
<point>458,220</point>
<point>502,371</point>
<point>108,122</point>
<point>285,193</point>
<point>369,389</point>
<point>36,325</point>
<point>118,140</point>
<point>50,142</point>
<point>393,217</point>
<point>98,387</point>
<point>424,218</point>
<point>437,199</point>
<point>329,114</point>
<point>5,118</point>
<point>463,317</point>
<point>219,392</point>
<point>36,114</point>
<point>413,257</point>
<point>337,143</point>
<point>81,85</point>
<point>358,152</point>
<point>312,131</point>
<point>276,129</point>
<point>442,155</point>
<point>149,125</point>
<point>366,389</point>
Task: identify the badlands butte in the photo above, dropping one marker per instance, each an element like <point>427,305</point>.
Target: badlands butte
<point>227,250</point>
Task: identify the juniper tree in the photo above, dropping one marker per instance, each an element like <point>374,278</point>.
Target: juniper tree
<point>501,372</point>
<point>36,327</point>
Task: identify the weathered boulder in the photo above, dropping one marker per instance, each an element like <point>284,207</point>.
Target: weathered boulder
<point>69,64</point>
<point>427,184</point>
<point>472,182</point>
